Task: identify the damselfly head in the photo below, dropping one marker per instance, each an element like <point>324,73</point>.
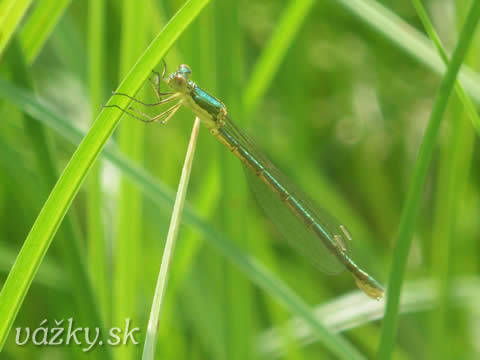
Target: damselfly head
<point>179,80</point>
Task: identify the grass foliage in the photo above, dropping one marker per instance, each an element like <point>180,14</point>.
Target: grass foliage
<point>358,101</point>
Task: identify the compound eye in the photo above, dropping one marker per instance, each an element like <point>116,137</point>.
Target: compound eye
<point>185,69</point>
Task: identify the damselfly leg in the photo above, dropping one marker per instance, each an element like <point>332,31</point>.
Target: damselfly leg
<point>161,101</point>
<point>157,80</point>
<point>140,115</point>
<point>164,116</point>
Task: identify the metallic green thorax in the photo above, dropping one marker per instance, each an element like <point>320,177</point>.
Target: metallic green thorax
<point>211,104</point>
<point>213,114</point>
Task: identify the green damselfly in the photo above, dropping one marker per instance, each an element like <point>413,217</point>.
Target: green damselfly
<point>308,229</point>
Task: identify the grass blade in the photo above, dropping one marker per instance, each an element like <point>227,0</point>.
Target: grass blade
<point>455,162</point>
<point>268,63</point>
<point>56,206</point>
<point>156,311</point>
<point>71,243</point>
<point>96,245</point>
<point>49,275</point>
<point>237,306</point>
<point>462,94</point>
<point>11,13</point>
<point>127,254</point>
<point>39,26</point>
<point>412,203</point>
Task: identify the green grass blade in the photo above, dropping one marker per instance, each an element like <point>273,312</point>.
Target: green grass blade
<point>268,63</point>
<point>71,243</point>
<point>164,199</point>
<point>49,275</point>
<point>56,206</point>
<point>96,245</point>
<point>462,94</point>
<point>40,24</point>
<point>128,225</point>
<point>455,162</point>
<point>410,40</point>
<point>11,13</point>
<point>237,306</point>
<point>156,310</point>
<point>412,203</point>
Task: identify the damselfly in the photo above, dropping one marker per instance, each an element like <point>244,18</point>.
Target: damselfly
<point>309,230</point>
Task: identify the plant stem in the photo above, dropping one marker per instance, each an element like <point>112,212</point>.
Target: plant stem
<point>412,203</point>
<point>156,311</point>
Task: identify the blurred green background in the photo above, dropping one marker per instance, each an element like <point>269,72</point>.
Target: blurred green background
<point>337,96</point>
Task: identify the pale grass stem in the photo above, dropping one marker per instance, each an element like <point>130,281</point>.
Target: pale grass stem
<point>156,310</point>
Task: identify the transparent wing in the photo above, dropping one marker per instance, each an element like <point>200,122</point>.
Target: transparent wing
<point>297,235</point>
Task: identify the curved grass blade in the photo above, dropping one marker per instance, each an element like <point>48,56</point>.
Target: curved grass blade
<point>56,206</point>
<point>71,243</point>
<point>412,203</point>
<point>455,166</point>
<point>50,274</point>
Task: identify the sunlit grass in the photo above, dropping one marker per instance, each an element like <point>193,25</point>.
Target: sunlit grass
<point>53,211</point>
<point>337,93</point>
<point>412,204</point>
